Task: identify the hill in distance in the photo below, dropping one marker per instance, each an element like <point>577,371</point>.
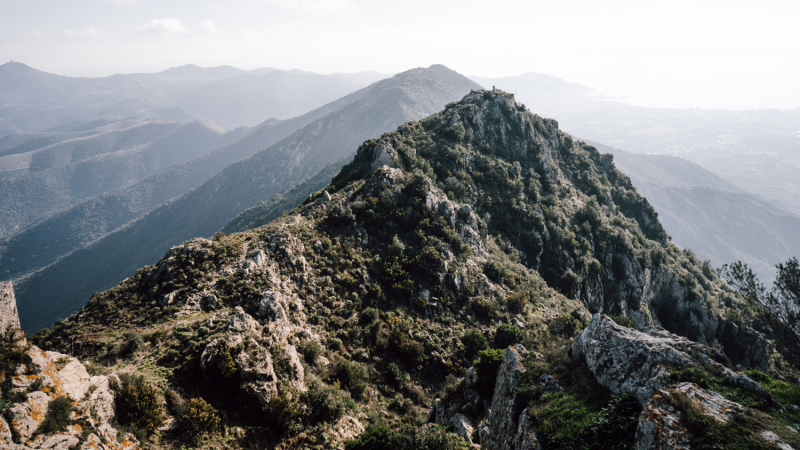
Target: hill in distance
<point>383,106</point>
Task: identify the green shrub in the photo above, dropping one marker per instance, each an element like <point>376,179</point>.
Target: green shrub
<point>507,335</point>
<point>224,362</point>
<point>352,377</point>
<point>412,351</point>
<point>138,404</point>
<point>517,301</point>
<point>395,375</point>
<point>369,316</point>
<point>474,341</point>
<point>624,321</point>
<point>486,367</point>
<point>564,325</point>
<point>483,307</point>
<point>200,418</point>
<point>325,403</point>
<point>57,416</point>
<point>283,413</point>
<point>377,437</point>
<point>12,350</point>
<point>310,349</point>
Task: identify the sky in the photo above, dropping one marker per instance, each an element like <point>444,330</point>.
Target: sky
<point>676,54</point>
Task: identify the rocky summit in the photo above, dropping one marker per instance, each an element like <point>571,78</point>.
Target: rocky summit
<point>475,279</point>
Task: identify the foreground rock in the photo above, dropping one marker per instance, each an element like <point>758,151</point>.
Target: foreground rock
<point>46,376</point>
<point>627,361</point>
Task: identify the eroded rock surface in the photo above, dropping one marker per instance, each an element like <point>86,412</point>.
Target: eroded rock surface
<point>628,361</point>
<point>55,375</point>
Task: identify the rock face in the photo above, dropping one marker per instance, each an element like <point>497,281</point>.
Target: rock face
<point>58,375</point>
<point>8,306</point>
<point>627,361</point>
<point>634,362</point>
<point>502,429</point>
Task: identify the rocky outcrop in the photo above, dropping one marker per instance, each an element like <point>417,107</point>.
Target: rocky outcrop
<point>46,376</point>
<point>8,306</point>
<point>633,362</point>
<point>502,430</point>
<point>627,361</point>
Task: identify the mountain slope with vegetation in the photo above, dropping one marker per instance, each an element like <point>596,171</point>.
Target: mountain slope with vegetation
<point>205,210</point>
<point>716,219</point>
<point>439,246</point>
<point>45,242</point>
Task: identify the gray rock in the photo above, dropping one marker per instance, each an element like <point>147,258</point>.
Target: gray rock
<point>5,432</point>
<point>660,425</point>
<point>61,441</point>
<point>501,430</point>
<point>270,306</point>
<point>209,302</point>
<point>8,306</point>
<point>24,418</point>
<point>241,322</point>
<point>632,362</point>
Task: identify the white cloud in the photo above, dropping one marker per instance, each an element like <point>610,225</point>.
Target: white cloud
<point>250,34</point>
<point>326,6</point>
<point>208,26</point>
<point>166,27</point>
<point>87,33</point>
<point>122,2</point>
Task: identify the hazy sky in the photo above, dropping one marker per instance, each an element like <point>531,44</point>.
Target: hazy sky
<point>708,54</point>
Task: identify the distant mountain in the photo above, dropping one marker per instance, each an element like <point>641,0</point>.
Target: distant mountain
<point>45,242</point>
<point>39,177</point>
<point>33,100</point>
<point>46,295</point>
<point>249,99</point>
<point>716,219</point>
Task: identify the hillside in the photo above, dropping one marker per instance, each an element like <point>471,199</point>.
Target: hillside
<point>458,258</point>
<point>50,239</point>
<point>205,210</point>
<point>717,220</point>
<point>249,99</point>
<point>39,177</point>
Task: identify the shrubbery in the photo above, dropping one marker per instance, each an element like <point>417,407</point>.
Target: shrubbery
<point>406,438</point>
<point>200,418</point>
<point>57,416</point>
<point>474,341</point>
<point>138,404</point>
<point>507,335</point>
<point>486,368</point>
<point>352,377</point>
<point>325,403</point>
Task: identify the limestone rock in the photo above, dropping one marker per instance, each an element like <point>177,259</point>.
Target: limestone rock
<point>270,306</point>
<point>462,427</point>
<point>241,322</point>
<point>660,424</point>
<point>209,302</point>
<point>8,306</point>
<point>61,441</point>
<point>25,417</point>
<point>501,430</point>
<point>5,432</point>
<point>632,362</point>
<point>383,155</point>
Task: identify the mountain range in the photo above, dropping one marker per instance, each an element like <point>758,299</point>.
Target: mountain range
<point>209,207</point>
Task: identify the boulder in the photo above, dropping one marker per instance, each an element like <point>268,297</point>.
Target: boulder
<point>628,361</point>
<point>61,441</point>
<point>5,432</point>
<point>24,418</point>
<point>660,425</point>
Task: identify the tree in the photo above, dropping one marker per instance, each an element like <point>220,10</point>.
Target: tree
<point>780,306</point>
